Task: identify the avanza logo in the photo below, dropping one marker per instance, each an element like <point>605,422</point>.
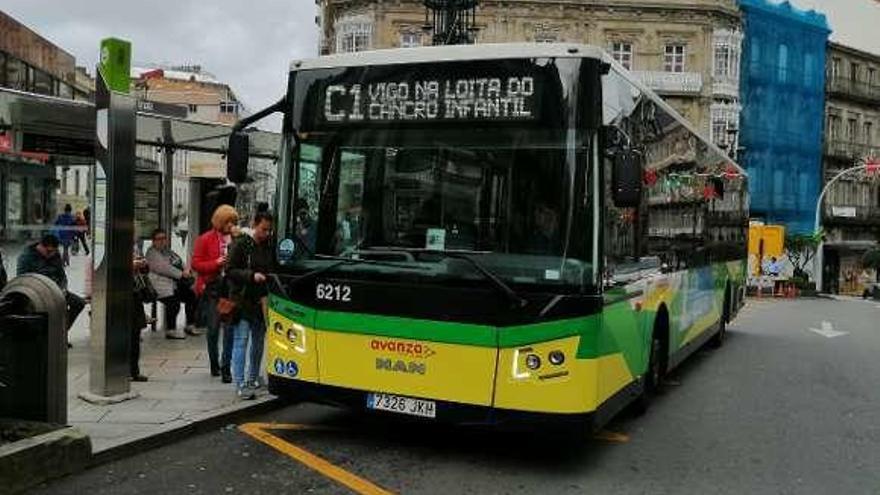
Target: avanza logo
<point>412,349</point>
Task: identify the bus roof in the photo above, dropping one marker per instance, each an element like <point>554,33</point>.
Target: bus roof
<point>449,53</point>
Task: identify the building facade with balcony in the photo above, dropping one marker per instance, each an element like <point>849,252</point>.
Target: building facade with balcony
<point>851,209</point>
<point>783,97</point>
<point>686,50</point>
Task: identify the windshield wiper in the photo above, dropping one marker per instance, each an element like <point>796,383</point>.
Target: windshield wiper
<point>511,294</point>
<point>496,282</point>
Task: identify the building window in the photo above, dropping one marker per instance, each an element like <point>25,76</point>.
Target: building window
<point>834,127</point>
<point>851,130</point>
<point>410,40</point>
<point>228,107</point>
<point>76,182</point>
<point>192,108</point>
<point>809,69</point>
<point>872,76</point>
<point>623,53</point>
<point>726,54</point>
<point>16,74</point>
<point>43,83</point>
<point>673,59</point>
<point>868,131</point>
<point>783,63</point>
<point>853,72</point>
<point>354,34</point>
<point>725,119</point>
<point>835,68</point>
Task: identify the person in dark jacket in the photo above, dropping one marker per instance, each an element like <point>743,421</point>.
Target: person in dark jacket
<point>251,259</point>
<point>65,231</point>
<point>43,258</point>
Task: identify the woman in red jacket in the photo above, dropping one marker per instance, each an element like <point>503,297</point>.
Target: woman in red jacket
<point>209,261</point>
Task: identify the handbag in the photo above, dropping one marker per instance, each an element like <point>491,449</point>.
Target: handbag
<point>226,309</point>
<point>144,289</point>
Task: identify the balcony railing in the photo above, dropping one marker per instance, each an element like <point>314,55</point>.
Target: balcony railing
<point>725,86</point>
<point>848,150</point>
<point>855,89</point>
<point>671,82</point>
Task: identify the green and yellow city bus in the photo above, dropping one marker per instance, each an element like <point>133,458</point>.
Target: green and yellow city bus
<point>490,234</point>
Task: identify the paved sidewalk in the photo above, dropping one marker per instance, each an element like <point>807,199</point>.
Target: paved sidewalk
<point>180,392</point>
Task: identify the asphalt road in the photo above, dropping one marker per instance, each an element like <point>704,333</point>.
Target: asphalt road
<point>779,409</point>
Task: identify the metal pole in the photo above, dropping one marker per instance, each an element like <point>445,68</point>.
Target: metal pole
<point>167,177</point>
<point>817,260</point>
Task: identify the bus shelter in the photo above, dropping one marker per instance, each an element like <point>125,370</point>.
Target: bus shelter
<point>47,156</point>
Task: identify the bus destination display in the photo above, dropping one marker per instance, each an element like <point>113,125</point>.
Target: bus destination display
<point>486,98</point>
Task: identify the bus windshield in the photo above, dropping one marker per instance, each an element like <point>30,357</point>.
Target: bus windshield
<point>505,197</point>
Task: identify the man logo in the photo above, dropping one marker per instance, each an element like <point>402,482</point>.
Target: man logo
<point>400,366</point>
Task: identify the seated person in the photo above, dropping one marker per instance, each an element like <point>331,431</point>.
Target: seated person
<point>173,283</point>
<point>43,258</point>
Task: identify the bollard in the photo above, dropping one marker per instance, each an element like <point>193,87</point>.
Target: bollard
<point>33,353</point>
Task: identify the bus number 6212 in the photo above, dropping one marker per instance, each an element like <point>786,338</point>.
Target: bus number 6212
<point>333,292</point>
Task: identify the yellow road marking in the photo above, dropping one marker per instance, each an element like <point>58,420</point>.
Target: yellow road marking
<point>357,484</point>
<point>611,436</point>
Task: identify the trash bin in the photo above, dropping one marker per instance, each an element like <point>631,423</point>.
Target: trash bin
<point>33,350</point>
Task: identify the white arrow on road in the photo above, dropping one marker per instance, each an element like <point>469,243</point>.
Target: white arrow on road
<point>828,330</point>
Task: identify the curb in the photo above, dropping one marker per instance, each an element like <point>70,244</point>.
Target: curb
<point>195,425</point>
<point>31,461</point>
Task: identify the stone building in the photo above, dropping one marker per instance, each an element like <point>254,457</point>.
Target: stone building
<point>199,96</point>
<point>206,98</point>
<point>686,50</point>
<point>851,212</point>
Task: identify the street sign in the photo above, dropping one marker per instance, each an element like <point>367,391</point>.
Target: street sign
<point>844,211</point>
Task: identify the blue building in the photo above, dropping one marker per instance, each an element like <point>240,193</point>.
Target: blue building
<point>782,89</point>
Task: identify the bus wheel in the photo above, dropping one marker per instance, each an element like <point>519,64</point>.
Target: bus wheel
<point>718,339</point>
<point>653,377</point>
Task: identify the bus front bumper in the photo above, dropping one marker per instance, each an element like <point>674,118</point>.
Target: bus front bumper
<point>446,412</point>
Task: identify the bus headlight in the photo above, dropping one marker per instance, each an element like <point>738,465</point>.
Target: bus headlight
<point>556,357</point>
<point>533,362</point>
<point>291,335</point>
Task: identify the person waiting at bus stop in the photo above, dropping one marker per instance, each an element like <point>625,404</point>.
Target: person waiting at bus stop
<point>250,261</point>
<point>173,284</point>
<point>209,260</point>
<point>43,258</point>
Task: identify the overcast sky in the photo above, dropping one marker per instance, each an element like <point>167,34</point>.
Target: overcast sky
<point>249,44</point>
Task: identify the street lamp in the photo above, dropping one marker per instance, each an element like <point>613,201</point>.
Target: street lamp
<point>869,165</point>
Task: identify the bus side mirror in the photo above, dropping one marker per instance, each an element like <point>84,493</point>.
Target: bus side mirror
<point>237,155</point>
<point>626,179</point>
